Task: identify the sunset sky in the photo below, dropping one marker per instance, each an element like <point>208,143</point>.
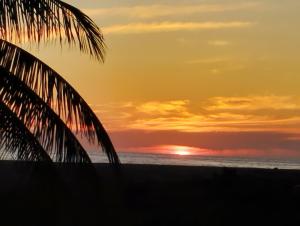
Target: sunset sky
<point>216,77</point>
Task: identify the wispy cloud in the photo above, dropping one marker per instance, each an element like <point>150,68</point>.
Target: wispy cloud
<point>156,10</point>
<point>253,113</point>
<point>138,28</point>
<point>218,43</point>
<point>163,108</point>
<point>208,60</point>
<point>265,125</point>
<point>271,102</point>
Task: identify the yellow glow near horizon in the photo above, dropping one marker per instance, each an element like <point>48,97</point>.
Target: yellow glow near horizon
<point>181,150</point>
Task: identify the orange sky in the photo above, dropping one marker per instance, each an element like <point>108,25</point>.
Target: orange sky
<point>217,77</point>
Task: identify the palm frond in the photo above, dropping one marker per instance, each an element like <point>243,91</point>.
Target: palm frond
<point>55,137</point>
<point>38,20</point>
<point>58,93</point>
<point>17,140</point>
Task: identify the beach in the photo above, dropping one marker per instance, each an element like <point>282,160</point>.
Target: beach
<point>69,194</point>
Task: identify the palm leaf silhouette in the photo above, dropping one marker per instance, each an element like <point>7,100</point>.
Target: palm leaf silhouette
<point>46,125</point>
<point>58,93</point>
<point>17,140</point>
<point>43,89</point>
<point>38,20</point>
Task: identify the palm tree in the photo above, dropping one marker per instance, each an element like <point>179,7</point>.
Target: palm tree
<point>38,107</point>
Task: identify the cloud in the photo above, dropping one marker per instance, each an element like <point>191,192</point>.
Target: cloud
<point>249,113</point>
<point>266,125</point>
<point>254,103</point>
<point>138,28</point>
<point>218,43</point>
<point>157,10</point>
<point>164,108</point>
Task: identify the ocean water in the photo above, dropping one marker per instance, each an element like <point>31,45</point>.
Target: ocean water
<point>192,160</point>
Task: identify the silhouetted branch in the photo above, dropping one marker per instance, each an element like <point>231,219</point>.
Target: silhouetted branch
<point>17,140</point>
<point>55,137</point>
<point>37,21</point>
<point>58,93</point>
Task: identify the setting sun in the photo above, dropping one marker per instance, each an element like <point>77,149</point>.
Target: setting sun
<point>182,153</point>
<point>181,150</point>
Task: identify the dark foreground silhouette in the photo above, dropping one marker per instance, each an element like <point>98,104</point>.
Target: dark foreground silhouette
<point>35,194</point>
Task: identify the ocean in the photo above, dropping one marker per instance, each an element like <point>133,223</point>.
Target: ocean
<point>193,160</point>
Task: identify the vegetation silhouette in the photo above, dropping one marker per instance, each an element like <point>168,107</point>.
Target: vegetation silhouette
<point>35,100</point>
<point>26,145</point>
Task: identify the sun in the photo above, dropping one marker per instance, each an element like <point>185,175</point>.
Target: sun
<point>181,150</point>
